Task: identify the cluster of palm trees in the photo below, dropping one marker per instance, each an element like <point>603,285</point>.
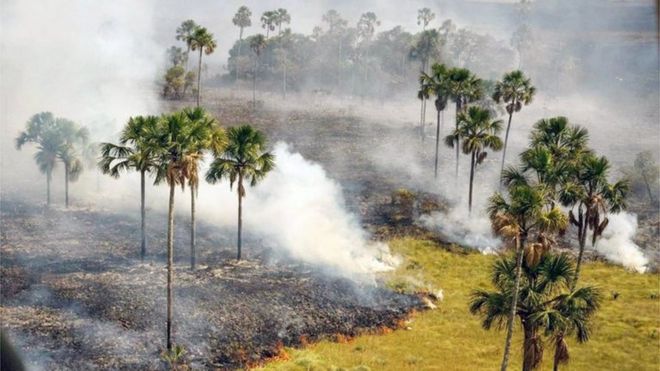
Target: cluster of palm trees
<point>560,182</point>
<point>477,129</point>
<point>170,148</point>
<point>196,38</point>
<point>270,20</point>
<point>56,139</point>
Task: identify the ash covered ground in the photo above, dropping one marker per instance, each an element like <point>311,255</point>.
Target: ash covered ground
<point>74,295</point>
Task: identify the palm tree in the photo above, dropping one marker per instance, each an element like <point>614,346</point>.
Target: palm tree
<point>425,47</point>
<point>464,87</point>
<point>281,54</point>
<point>570,315</point>
<point>210,138</point>
<point>257,44</point>
<point>41,130</point>
<point>72,137</point>
<point>282,17</point>
<point>524,214</point>
<point>241,20</point>
<point>201,39</point>
<point>244,158</point>
<point>514,90</point>
<point>478,132</point>
<point>590,192</point>
<point>548,303</point>
<point>268,20</point>
<point>176,140</point>
<point>133,153</point>
<point>184,33</point>
<point>436,84</point>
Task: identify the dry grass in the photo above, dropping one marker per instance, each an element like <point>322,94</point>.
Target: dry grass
<point>626,332</point>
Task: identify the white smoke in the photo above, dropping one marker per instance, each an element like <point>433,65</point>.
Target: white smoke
<point>301,210</point>
<point>459,227</point>
<point>617,245</point>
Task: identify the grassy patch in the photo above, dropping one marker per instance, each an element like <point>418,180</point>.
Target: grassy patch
<point>626,331</point>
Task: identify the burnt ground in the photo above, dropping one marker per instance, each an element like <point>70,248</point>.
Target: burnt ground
<point>74,296</point>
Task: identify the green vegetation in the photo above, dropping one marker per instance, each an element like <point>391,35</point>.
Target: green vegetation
<point>450,338</point>
<point>56,139</point>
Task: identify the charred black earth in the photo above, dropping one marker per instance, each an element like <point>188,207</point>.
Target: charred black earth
<point>75,295</point>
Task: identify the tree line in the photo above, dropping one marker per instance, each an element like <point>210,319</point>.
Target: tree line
<point>167,148</point>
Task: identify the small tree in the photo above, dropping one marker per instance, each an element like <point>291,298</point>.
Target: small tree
<point>548,304</point>
<point>424,17</point>
<point>646,169</point>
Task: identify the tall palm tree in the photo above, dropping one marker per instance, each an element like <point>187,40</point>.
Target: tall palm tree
<point>464,87</point>
<point>479,132</point>
<point>268,20</point>
<point>210,138</point>
<point>515,90</point>
<point>244,158</point>
<point>41,130</point>
<point>241,20</point>
<point>257,44</point>
<point>184,33</point>
<point>73,139</point>
<point>548,303</point>
<point>592,196</point>
<point>203,40</point>
<point>282,17</point>
<point>522,215</point>
<point>436,84</point>
<point>133,153</point>
<point>176,140</point>
<point>423,50</point>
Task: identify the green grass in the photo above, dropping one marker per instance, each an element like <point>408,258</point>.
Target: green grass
<point>626,332</point>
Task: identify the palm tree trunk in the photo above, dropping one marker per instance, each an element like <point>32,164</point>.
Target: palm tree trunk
<point>254,83</point>
<point>506,140</point>
<point>520,242</point>
<point>187,54</point>
<point>240,215</point>
<point>458,110</point>
<point>238,57</point>
<point>49,177</point>
<point>472,165</point>
<point>66,186</point>
<point>143,245</point>
<point>192,227</point>
<point>284,81</point>
<point>582,240</point>
<point>437,146</point>
<point>199,76</point>
<point>170,265</point>
<point>529,346</point>
<point>648,188</point>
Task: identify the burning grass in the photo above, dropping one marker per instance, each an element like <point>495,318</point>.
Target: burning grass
<point>626,333</point>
